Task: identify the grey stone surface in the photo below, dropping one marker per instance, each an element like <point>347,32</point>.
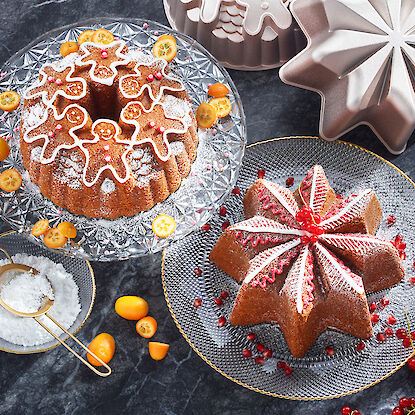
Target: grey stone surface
<point>55,383</point>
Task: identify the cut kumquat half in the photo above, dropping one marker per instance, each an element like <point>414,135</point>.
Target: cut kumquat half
<point>206,115</point>
<point>165,47</point>
<point>54,239</point>
<point>9,100</point>
<point>146,327</point>
<point>40,227</point>
<point>85,36</point>
<point>218,90</point>
<point>67,229</point>
<point>68,47</point>
<point>163,226</point>
<point>102,37</point>
<point>158,350</point>
<point>223,106</point>
<point>4,149</point>
<point>10,180</point>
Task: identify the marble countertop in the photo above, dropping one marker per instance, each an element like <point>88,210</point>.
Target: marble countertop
<point>55,383</point>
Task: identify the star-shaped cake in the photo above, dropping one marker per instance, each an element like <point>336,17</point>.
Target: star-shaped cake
<point>361,59</point>
<point>306,258</point>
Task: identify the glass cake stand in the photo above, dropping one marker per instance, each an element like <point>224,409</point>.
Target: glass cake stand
<point>213,174</point>
<point>317,375</point>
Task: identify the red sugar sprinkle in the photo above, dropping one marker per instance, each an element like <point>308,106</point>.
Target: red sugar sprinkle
<point>236,191</point>
<point>290,181</point>
<point>198,271</point>
<point>261,174</point>
<point>206,227</point>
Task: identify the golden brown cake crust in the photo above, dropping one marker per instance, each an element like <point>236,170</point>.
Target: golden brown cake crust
<point>107,132</point>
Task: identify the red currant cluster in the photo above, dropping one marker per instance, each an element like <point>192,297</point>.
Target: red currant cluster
<point>406,407</point>
<point>346,410</point>
<point>310,223</point>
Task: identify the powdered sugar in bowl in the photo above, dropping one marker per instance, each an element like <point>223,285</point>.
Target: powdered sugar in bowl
<point>74,293</point>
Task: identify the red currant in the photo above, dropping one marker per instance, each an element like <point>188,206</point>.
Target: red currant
<point>305,240</point>
<point>260,347</point>
<point>346,410</point>
<point>197,302</point>
<point>281,365</point>
<point>251,337</point>
<point>412,279</point>
<point>267,353</point>
<point>197,271</point>
<point>384,302</point>
<point>372,307</point>
<point>222,211</point>
<point>398,411</point>
<point>221,321</point>
<point>389,331</point>
<point>261,174</point>
<point>290,181</point>
<point>401,333</point>
<point>224,295</point>
<point>246,353</point>
<point>218,301</point>
<point>391,320</point>
<point>411,365</point>
<point>317,218</point>
<point>206,227</point>
<point>259,360</point>
<point>236,191</point>
<point>313,239</point>
<point>374,318</point>
<point>404,403</point>
<point>381,337</point>
<point>225,225</point>
<point>329,350</point>
<point>288,370</point>
<point>360,346</point>
<point>299,216</point>
<point>412,402</point>
<point>406,342</point>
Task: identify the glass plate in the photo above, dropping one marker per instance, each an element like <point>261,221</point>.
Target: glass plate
<point>317,375</point>
<point>213,174</point>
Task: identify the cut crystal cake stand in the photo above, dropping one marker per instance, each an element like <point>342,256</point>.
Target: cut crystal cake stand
<point>213,174</point>
<point>318,375</point>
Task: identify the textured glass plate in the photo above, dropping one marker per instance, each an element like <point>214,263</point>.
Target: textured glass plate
<point>213,173</point>
<point>317,375</point>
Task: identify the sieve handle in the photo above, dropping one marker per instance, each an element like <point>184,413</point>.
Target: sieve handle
<point>103,374</point>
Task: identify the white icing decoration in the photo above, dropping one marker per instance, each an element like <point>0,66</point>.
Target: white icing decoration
<point>260,224</point>
<point>124,60</point>
<point>283,195</point>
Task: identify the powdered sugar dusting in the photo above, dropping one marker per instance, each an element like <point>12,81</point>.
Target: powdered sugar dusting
<point>107,186</point>
<point>34,115</point>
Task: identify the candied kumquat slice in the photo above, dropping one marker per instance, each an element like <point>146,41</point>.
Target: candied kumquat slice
<point>206,115</point>
<point>131,307</point>
<point>102,37</point>
<point>9,100</point>
<point>85,36</point>
<point>103,346</point>
<point>54,239</point>
<point>163,226</point>
<point>165,47</point>
<point>4,149</point>
<point>146,327</point>
<point>67,229</point>
<point>40,227</point>
<point>10,180</point>
<point>158,350</point>
<point>68,47</point>
<point>218,90</point>
<point>223,106</point>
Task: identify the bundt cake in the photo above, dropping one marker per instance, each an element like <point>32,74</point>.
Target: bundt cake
<point>107,131</point>
<point>306,259</point>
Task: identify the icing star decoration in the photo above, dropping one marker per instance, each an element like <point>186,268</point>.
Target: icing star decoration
<point>361,59</point>
<point>290,259</point>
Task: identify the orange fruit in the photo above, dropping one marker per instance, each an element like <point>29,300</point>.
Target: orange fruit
<point>146,327</point>
<point>102,37</point>
<point>158,350</point>
<point>218,90</point>
<point>102,346</point>
<point>9,100</point>
<point>4,149</point>
<point>165,47</point>
<point>68,47</point>
<point>10,180</point>
<point>163,226</point>
<point>131,307</point>
<point>222,106</point>
<point>206,115</point>
<point>54,239</point>
<point>40,227</point>
<point>85,36</point>
<point>67,229</point>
